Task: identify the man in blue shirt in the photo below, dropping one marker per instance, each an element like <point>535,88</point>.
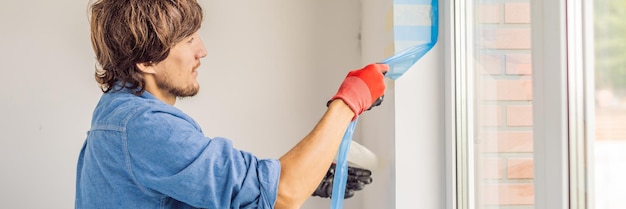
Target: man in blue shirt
<point>142,152</point>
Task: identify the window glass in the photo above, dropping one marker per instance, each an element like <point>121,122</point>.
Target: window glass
<point>609,160</point>
<point>502,101</point>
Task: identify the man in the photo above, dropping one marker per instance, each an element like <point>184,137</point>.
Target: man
<point>141,152</point>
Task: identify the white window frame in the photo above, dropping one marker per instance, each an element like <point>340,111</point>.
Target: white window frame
<point>459,152</point>
<point>550,110</point>
<point>562,79</point>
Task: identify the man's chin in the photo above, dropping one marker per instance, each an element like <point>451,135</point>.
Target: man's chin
<point>189,92</point>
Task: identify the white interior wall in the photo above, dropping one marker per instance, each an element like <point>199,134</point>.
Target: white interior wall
<point>48,94</point>
<point>376,128</point>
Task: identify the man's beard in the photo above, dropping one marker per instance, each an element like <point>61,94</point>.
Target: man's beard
<point>188,91</point>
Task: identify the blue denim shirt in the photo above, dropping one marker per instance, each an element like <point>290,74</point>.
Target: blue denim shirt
<point>143,153</point>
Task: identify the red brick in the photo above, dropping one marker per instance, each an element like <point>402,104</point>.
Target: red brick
<point>521,115</point>
<point>512,90</point>
<point>518,64</point>
<point>506,194</point>
<point>490,64</point>
<point>517,12</point>
<point>506,142</point>
<point>504,38</point>
<point>519,168</point>
<point>489,13</point>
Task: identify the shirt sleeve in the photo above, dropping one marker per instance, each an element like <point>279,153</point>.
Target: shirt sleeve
<point>169,155</point>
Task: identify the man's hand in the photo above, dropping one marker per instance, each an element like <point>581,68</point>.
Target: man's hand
<point>363,88</point>
<point>357,179</point>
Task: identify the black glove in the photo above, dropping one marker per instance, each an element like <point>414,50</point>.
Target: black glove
<point>357,179</point>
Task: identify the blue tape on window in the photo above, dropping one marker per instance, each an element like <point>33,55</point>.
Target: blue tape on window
<point>402,61</point>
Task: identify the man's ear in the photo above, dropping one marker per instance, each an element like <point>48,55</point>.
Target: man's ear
<point>146,67</point>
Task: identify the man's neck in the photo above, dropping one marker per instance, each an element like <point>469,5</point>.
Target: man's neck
<point>167,98</point>
<point>157,92</point>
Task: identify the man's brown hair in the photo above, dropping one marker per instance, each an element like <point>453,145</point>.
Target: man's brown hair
<point>127,32</point>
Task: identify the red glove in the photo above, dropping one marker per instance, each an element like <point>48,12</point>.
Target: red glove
<point>361,88</point>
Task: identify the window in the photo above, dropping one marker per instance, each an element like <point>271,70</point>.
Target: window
<point>503,104</point>
<point>545,129</point>
<point>609,146</point>
<point>495,89</point>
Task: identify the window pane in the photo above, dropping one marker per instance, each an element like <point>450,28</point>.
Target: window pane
<point>502,74</point>
<point>610,104</point>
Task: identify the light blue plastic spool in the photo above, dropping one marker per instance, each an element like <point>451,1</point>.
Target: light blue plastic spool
<point>398,65</point>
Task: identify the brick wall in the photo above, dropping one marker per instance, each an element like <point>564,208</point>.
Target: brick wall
<point>504,143</point>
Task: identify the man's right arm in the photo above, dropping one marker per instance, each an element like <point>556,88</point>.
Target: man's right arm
<point>304,166</point>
